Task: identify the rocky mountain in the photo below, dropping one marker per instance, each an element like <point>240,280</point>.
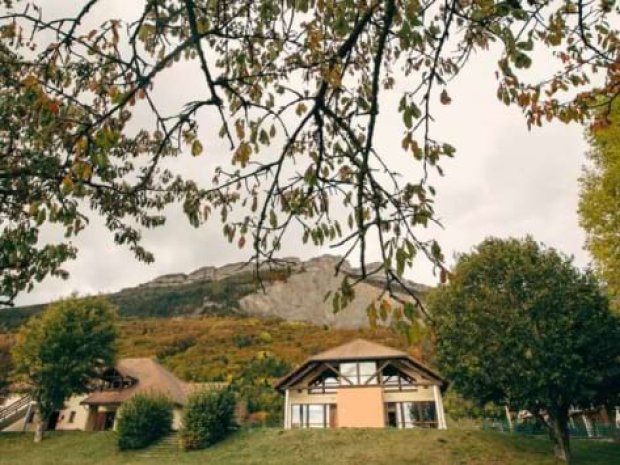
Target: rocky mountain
<point>292,290</point>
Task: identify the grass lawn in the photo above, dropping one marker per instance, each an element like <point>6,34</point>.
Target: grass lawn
<point>312,447</point>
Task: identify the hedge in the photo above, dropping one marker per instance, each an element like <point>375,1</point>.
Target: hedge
<point>209,418</point>
<point>143,419</point>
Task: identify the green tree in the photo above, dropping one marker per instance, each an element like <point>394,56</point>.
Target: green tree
<point>599,203</point>
<point>255,382</point>
<point>519,325</point>
<point>60,351</point>
<point>457,407</point>
<point>296,86</point>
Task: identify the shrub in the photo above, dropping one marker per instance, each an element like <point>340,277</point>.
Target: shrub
<point>176,346</point>
<point>209,418</point>
<point>265,337</point>
<point>242,340</point>
<point>143,419</point>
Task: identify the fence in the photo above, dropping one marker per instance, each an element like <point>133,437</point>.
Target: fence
<point>576,430</point>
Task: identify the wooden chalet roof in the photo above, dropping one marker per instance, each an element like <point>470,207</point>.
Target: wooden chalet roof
<point>358,349</point>
<point>152,378</point>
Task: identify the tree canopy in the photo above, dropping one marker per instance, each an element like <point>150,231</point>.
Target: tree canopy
<point>297,87</point>
<point>519,325</point>
<point>599,203</point>
<point>59,352</point>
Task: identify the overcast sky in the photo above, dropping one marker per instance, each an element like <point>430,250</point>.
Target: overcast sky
<point>504,181</point>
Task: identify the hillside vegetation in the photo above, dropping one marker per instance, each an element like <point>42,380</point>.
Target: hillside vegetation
<point>219,348</point>
<point>198,298</point>
<point>312,447</point>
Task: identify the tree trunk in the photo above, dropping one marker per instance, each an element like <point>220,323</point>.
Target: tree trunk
<point>558,431</point>
<point>39,430</point>
<point>42,420</point>
<point>509,418</point>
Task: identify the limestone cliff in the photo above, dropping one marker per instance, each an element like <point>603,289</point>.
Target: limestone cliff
<point>293,290</point>
<point>298,297</point>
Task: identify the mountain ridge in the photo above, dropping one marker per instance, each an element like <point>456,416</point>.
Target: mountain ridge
<point>289,289</point>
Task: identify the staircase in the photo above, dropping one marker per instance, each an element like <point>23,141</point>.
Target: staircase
<point>167,447</point>
<point>14,411</point>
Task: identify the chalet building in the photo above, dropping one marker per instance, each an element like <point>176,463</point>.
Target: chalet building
<point>96,411</point>
<point>363,384</point>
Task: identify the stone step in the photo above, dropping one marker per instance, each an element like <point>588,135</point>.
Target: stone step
<point>169,446</point>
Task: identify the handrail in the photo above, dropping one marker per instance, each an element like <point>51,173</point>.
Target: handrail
<point>14,407</point>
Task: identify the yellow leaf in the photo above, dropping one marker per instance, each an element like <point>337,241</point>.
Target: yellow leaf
<point>196,148</point>
<point>242,154</point>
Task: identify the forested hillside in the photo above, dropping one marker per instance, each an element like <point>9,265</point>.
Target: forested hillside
<point>219,348</point>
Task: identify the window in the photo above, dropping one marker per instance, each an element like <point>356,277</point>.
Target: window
<point>297,416</point>
<point>316,416</point>
<point>423,414</point>
<point>411,414</point>
<point>71,417</point>
<point>349,372</point>
<point>395,380</point>
<point>358,373</point>
<point>311,416</point>
<point>326,382</point>
<point>366,371</point>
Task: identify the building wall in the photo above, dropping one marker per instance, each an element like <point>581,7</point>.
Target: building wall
<point>80,418</point>
<point>301,396</point>
<point>79,422</point>
<point>360,407</point>
<point>364,406</point>
<point>423,393</point>
<point>18,425</point>
<point>177,418</point>
<point>84,418</point>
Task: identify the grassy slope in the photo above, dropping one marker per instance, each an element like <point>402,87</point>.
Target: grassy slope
<point>313,447</point>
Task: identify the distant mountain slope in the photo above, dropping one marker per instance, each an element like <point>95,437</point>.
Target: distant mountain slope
<point>218,348</point>
<point>302,297</point>
<point>295,290</point>
<point>196,298</point>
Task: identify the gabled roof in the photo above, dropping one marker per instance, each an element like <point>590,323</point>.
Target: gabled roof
<point>358,349</point>
<point>152,378</point>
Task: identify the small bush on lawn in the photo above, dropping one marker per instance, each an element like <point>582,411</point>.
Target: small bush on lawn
<point>142,420</point>
<point>209,418</point>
